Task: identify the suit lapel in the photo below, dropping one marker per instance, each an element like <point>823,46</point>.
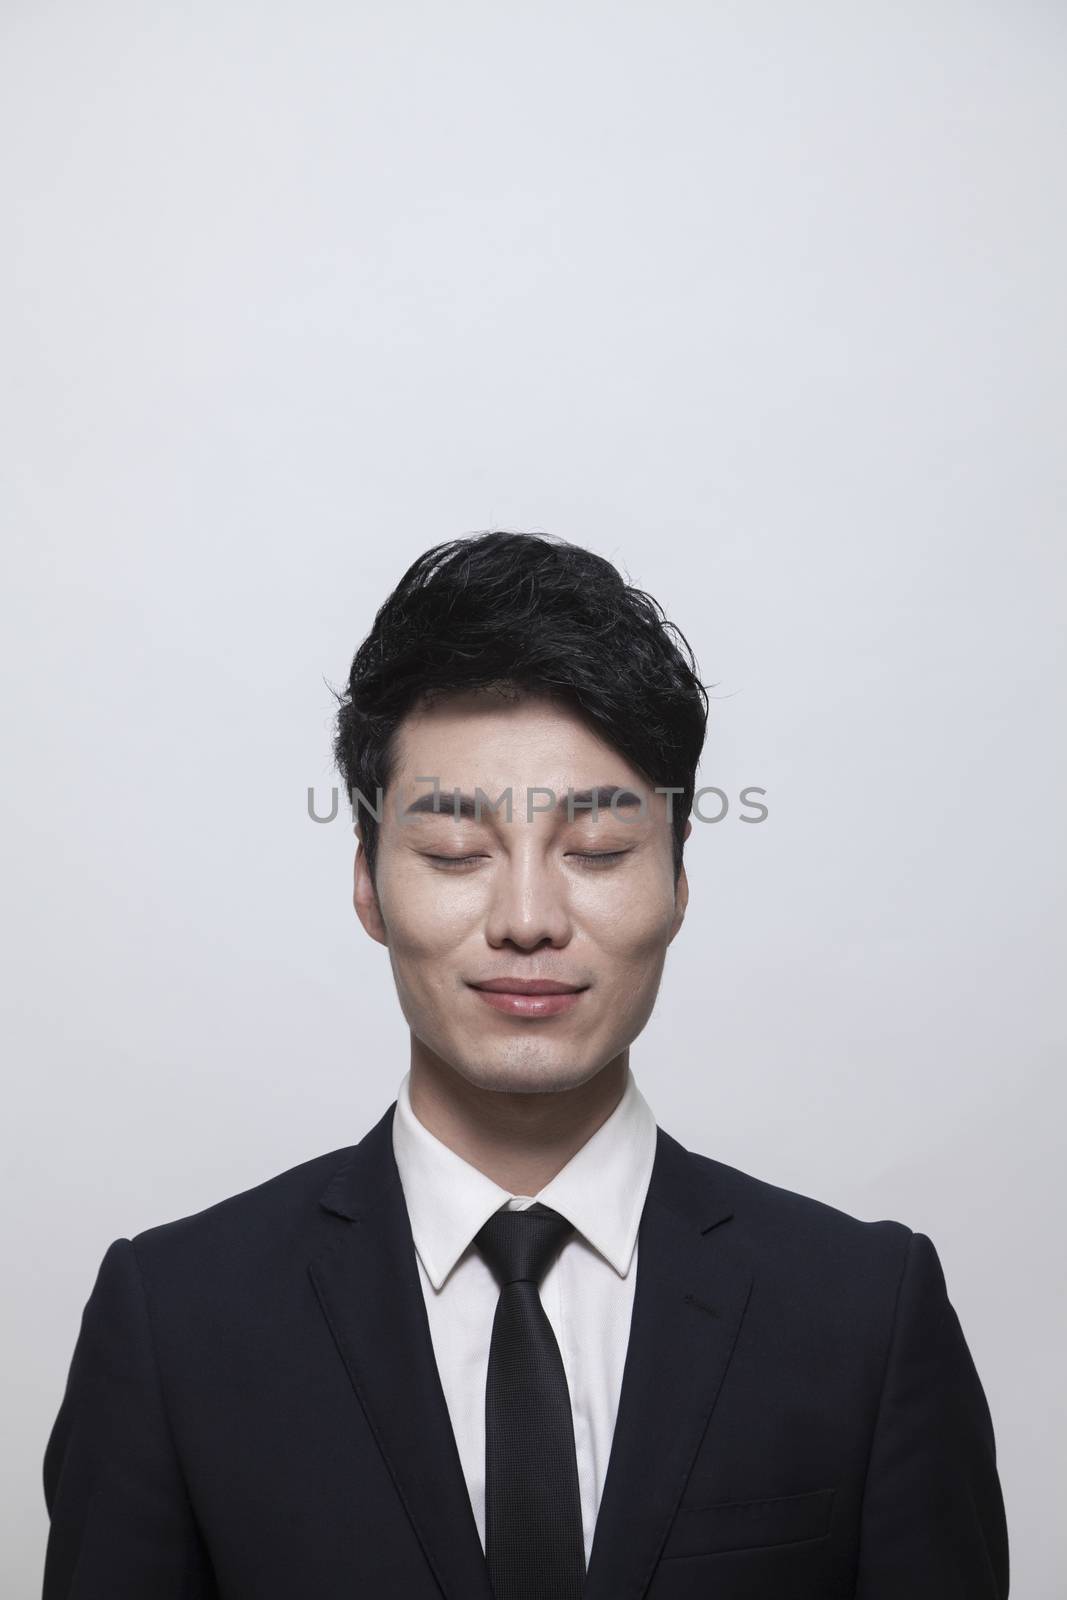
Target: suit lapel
<point>689,1300</point>
<point>368,1286</point>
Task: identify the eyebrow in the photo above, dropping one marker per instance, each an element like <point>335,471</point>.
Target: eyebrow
<point>440,802</point>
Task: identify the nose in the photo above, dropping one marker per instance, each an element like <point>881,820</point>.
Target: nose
<point>529,901</point>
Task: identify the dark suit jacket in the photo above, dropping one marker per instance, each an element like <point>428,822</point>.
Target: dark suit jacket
<point>254,1413</point>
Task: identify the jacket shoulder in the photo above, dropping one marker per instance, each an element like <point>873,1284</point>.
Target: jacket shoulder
<point>273,1212</point>
<point>785,1222</point>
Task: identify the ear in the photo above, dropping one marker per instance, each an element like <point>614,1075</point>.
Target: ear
<point>681,893</point>
<point>365,897</point>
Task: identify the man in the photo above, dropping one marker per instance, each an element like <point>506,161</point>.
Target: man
<point>518,1343</point>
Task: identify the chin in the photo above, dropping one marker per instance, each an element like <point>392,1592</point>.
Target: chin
<point>526,1075</point>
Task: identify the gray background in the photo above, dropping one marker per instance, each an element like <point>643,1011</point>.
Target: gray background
<point>762,301</point>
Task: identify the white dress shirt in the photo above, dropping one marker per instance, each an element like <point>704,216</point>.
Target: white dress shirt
<point>587,1292</point>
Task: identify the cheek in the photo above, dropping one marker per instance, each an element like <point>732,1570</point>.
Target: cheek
<point>630,921</point>
<point>425,916</point>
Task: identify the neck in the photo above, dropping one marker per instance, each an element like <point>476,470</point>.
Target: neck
<point>519,1140</point>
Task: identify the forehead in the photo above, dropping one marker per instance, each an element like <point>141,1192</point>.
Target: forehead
<point>479,737</point>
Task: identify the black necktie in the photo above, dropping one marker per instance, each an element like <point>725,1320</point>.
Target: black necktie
<point>533,1515</point>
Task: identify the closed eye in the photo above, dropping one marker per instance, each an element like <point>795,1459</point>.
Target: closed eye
<point>588,858</point>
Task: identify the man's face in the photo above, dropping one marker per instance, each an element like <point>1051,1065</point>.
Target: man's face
<point>589,902</point>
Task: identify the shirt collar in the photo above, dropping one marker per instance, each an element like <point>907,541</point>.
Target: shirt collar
<point>601,1190</point>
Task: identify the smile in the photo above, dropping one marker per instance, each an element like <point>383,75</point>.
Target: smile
<point>530,998</point>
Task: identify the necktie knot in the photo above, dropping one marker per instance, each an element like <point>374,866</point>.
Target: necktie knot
<point>519,1246</point>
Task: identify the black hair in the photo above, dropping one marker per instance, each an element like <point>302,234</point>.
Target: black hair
<point>524,612</point>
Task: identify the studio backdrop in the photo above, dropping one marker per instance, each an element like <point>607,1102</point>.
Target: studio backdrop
<point>763,303</point>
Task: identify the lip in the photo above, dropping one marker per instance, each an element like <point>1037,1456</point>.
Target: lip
<point>529,997</point>
<point>528,986</point>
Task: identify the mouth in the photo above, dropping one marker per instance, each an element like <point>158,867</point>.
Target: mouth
<point>529,997</point>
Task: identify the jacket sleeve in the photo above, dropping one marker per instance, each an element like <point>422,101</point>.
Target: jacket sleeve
<point>121,1524</point>
<point>933,1525</point>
